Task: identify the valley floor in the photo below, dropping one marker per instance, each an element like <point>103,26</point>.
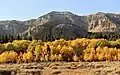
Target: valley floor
<point>62,68</point>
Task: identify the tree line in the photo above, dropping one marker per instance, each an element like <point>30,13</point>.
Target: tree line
<point>109,36</point>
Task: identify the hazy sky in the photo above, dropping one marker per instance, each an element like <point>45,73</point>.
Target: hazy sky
<point>28,9</point>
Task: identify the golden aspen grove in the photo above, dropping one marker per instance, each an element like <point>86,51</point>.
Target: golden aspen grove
<point>81,49</point>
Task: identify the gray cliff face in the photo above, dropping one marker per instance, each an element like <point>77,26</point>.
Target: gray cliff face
<point>65,23</point>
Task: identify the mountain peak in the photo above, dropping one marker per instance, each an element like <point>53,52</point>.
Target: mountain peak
<point>100,13</point>
<point>59,12</point>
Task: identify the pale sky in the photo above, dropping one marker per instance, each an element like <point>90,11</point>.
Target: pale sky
<point>28,9</point>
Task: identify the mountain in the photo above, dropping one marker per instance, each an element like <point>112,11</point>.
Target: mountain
<point>103,22</point>
<point>12,27</point>
<point>58,24</point>
<point>62,25</point>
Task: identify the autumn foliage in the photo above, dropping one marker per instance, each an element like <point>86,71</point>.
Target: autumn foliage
<point>25,51</point>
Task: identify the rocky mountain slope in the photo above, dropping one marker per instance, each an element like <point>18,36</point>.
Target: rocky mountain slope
<point>12,27</point>
<point>62,24</point>
<point>58,24</point>
<point>103,22</point>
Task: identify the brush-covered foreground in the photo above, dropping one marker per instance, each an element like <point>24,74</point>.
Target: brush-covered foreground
<point>62,68</point>
<point>25,51</point>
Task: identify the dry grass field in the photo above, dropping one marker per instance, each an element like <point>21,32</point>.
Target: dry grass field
<point>61,68</point>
